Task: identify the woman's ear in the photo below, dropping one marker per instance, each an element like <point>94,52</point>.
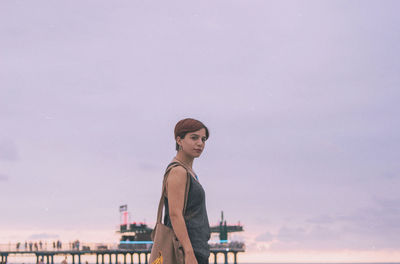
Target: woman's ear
<point>178,140</point>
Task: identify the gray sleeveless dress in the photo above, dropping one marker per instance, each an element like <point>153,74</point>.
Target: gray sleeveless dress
<point>196,219</point>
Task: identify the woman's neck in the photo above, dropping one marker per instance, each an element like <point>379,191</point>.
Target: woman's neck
<point>185,159</point>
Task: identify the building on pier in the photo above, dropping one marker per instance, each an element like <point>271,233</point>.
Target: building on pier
<point>223,229</point>
<point>133,235</point>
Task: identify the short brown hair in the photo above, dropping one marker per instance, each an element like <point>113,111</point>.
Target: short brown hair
<point>188,125</point>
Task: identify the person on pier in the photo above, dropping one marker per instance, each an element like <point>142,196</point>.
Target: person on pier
<point>191,228</point>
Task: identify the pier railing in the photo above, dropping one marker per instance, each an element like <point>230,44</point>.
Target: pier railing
<point>64,246</point>
<point>83,246</point>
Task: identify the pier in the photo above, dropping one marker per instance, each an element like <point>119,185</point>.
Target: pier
<point>134,246</point>
<point>108,253</point>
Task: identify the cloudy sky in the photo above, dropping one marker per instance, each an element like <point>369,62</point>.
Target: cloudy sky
<point>301,99</point>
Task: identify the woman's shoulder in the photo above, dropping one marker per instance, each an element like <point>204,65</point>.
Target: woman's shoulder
<point>176,178</point>
<point>177,171</point>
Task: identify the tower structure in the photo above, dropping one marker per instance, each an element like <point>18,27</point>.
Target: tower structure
<point>224,229</point>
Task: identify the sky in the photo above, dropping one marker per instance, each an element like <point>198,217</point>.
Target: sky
<point>300,97</point>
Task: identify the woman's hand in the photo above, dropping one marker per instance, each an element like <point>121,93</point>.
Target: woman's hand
<point>190,258</point>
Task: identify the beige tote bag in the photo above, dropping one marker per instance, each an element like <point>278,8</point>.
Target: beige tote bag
<point>166,247</point>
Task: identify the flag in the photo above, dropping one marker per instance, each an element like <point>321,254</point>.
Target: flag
<point>123,208</point>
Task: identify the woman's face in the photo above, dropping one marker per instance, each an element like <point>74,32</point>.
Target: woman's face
<point>193,143</point>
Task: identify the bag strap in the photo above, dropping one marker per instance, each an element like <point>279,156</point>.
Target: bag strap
<point>162,199</point>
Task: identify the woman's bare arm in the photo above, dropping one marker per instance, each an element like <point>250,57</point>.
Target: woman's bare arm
<point>176,185</point>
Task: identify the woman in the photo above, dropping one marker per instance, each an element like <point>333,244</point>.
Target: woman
<point>192,229</point>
